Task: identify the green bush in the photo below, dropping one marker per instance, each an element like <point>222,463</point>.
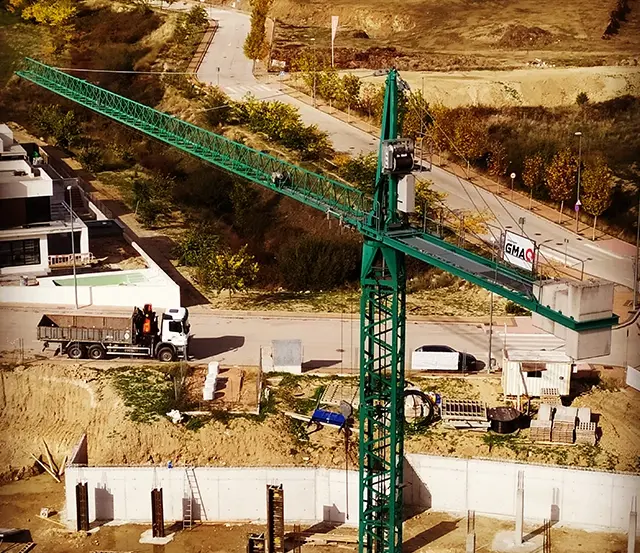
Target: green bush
<point>582,98</point>
<point>314,263</point>
<point>152,198</point>
<point>92,158</point>
<point>62,128</point>
<point>196,244</point>
<point>514,309</point>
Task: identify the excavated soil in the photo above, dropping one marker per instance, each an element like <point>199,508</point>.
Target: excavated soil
<point>58,401</point>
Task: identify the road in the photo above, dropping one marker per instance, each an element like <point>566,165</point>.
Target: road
<point>327,342</point>
<point>225,65</point>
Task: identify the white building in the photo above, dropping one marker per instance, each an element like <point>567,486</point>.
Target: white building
<point>35,219</point>
<point>526,373</point>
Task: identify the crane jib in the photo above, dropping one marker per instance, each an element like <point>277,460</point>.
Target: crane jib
<point>351,206</point>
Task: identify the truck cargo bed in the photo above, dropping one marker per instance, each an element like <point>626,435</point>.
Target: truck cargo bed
<point>83,328</point>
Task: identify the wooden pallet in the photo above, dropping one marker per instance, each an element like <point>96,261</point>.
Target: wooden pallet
<point>551,396</point>
<point>463,410</point>
<point>586,433</point>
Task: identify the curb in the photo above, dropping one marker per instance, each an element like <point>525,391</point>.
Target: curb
<point>242,314</point>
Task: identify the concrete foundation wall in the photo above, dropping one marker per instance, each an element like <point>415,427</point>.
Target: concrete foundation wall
<point>585,499</point>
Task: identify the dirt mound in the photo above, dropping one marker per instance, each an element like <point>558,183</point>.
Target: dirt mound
<point>520,36</point>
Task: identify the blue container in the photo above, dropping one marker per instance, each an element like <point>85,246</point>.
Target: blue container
<point>328,417</point>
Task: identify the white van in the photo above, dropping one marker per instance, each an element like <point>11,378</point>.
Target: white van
<point>441,358</point>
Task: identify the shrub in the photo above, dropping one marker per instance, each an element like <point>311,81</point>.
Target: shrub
<point>359,171</point>
<point>195,245</point>
<point>92,158</point>
<point>152,197</point>
<point>582,98</point>
<point>62,128</point>
<point>514,309</point>
<point>314,263</point>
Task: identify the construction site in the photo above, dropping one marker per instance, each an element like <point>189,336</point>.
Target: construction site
<point>137,417</point>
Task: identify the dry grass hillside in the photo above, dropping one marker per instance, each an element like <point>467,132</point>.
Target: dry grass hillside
<point>465,33</point>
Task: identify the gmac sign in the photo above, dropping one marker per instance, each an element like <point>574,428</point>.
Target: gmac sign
<point>519,251</point>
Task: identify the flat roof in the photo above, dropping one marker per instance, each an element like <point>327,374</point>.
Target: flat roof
<point>541,356</point>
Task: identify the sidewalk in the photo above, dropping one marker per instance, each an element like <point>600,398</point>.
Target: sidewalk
<point>517,197</point>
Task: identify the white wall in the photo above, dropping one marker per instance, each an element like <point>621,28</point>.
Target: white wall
<point>163,296</point>
<point>586,499</point>
<point>228,493</point>
<point>40,269</point>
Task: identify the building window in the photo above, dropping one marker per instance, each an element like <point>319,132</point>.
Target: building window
<point>533,370</point>
<point>14,253</point>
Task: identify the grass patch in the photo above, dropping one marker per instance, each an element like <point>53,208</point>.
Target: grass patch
<point>147,393</point>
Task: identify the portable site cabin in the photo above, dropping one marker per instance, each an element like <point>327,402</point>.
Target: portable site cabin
<point>526,373</point>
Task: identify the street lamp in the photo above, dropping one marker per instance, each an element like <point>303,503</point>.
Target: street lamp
<point>513,176</point>
<point>73,248</point>
<point>636,268</point>
<point>578,203</point>
<point>313,43</point>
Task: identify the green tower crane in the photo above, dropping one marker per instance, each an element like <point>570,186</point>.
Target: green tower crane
<point>387,240</point>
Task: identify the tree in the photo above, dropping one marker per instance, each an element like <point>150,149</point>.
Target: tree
<point>255,44</point>
<point>560,177</point>
<point>469,136</point>
<point>349,94</point>
<point>50,12</point>
<point>197,17</point>
<point>426,197</point>
<point>223,269</point>
<point>472,222</point>
<point>533,174</point>
<point>443,128</point>
<point>359,171</point>
<point>416,118</point>
<point>497,161</point>
<point>152,197</point>
<point>62,128</point>
<point>596,189</point>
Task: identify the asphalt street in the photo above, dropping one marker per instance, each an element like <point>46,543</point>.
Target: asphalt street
<point>327,342</point>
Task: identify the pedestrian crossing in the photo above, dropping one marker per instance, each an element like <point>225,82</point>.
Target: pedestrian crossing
<point>254,89</point>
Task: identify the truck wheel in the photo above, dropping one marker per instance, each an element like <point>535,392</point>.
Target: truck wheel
<point>75,351</point>
<point>96,352</point>
<point>166,355</point>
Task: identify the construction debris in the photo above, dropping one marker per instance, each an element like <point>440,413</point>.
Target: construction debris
<point>51,467</point>
<point>335,393</point>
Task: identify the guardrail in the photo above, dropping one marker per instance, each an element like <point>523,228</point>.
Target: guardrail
<point>66,260</point>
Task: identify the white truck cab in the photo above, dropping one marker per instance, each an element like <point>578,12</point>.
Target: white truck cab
<point>175,327</point>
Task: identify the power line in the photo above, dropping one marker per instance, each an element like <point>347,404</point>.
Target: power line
<point>123,72</point>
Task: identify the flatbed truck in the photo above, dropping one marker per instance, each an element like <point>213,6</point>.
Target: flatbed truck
<point>143,334</point>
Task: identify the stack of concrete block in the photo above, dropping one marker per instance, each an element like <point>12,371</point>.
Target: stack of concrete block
<point>550,396</point>
<point>540,429</point>
<point>586,430</point>
<point>564,425</point>
<point>210,381</point>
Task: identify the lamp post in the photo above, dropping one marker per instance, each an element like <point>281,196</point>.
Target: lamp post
<point>73,248</point>
<point>513,176</point>
<point>578,203</point>
<point>636,269</point>
<point>315,62</point>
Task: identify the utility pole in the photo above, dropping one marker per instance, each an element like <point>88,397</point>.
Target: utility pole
<point>315,63</point>
<point>636,269</point>
<point>73,248</point>
<point>578,204</point>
